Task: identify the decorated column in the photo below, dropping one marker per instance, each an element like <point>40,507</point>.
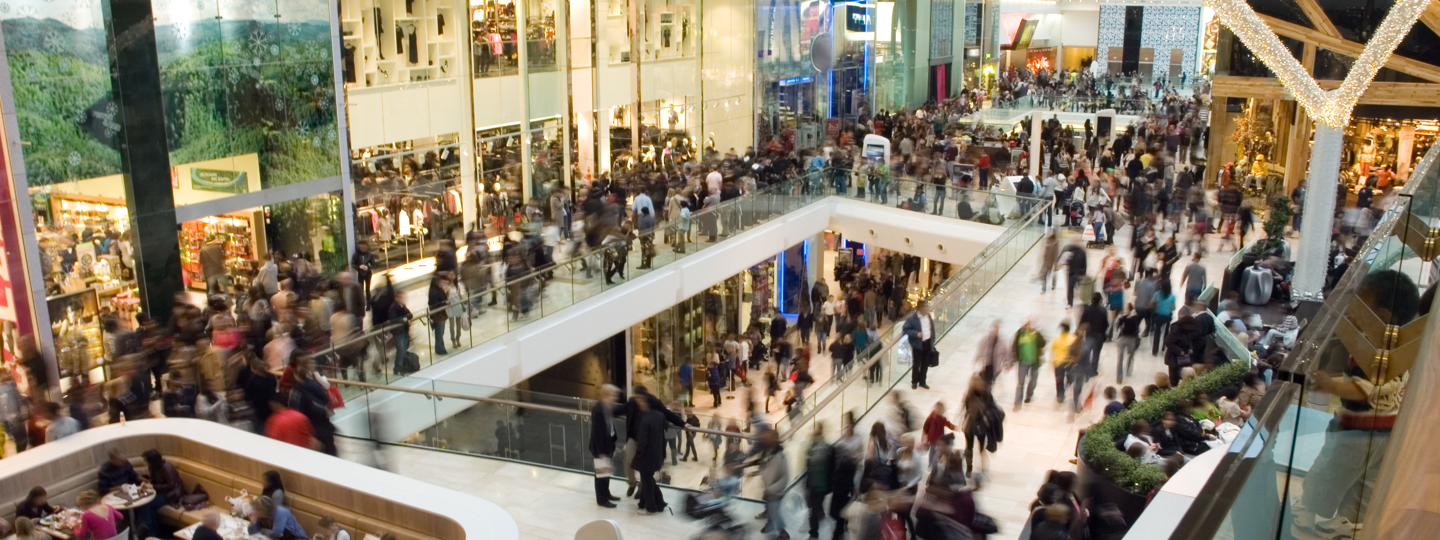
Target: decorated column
<point>1319,204</point>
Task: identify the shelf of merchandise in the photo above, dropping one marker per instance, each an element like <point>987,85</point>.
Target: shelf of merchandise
<point>380,60</point>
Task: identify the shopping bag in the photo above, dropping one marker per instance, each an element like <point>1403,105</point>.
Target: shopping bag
<point>903,355</point>
<point>1089,234</point>
<point>336,400</point>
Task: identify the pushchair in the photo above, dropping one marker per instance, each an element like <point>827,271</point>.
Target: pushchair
<point>1075,215</point>
<point>711,507</point>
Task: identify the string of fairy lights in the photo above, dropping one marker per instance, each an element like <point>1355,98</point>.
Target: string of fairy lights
<point>1330,109</point>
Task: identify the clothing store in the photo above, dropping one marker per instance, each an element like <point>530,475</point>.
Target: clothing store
<point>407,197</point>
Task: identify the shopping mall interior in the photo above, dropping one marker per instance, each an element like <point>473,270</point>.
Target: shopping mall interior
<point>722,269</point>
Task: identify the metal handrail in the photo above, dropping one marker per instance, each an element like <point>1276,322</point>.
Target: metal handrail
<point>379,331</point>
<point>508,403</point>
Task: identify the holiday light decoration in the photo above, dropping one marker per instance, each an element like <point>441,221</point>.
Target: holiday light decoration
<point>1331,109</point>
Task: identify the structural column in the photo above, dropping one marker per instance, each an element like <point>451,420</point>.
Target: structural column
<point>1313,253</point>
<point>1036,123</point>
<point>135,72</point>
<point>469,192</point>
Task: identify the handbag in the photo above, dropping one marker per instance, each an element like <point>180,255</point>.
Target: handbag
<point>934,356</point>
<point>1183,360</point>
<point>983,524</point>
<point>196,500</point>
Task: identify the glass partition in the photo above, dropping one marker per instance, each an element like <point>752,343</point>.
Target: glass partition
<point>1307,463</point>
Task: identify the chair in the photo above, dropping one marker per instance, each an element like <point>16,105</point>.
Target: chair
<point>601,529</point>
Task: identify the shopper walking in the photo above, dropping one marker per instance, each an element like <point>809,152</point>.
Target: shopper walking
<point>1029,347</point>
<point>602,443</point>
<point>774,478</point>
<point>819,464</point>
<point>1127,341</point>
<point>649,453</point>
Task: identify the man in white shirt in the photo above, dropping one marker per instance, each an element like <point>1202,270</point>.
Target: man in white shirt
<point>920,330</point>
<point>642,201</point>
<point>713,181</point>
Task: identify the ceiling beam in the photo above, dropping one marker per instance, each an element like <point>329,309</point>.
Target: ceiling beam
<point>1318,18</point>
<point>1379,93</point>
<point>1431,16</point>
<point>1414,68</point>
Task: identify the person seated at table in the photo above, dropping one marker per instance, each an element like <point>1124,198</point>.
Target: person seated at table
<point>36,505</point>
<point>332,530</point>
<point>268,519</point>
<point>99,520</point>
<point>116,472</point>
<point>209,528</point>
<point>25,530</point>
<point>165,478</point>
<point>274,487</point>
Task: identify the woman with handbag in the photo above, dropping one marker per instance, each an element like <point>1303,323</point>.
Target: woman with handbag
<point>977,429</point>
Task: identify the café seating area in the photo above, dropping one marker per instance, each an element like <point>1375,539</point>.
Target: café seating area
<point>227,461</point>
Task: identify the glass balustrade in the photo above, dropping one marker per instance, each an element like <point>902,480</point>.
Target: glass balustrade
<point>529,296</point>
<point>1309,449</point>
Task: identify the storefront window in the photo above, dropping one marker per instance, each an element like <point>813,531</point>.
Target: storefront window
<point>222,254</point>
<point>392,183</point>
<point>493,31</point>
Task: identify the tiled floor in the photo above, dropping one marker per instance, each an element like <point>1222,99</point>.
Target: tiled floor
<point>1039,437</point>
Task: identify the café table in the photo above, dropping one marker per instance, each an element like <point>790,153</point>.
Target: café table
<point>117,500</point>
<point>231,528</point>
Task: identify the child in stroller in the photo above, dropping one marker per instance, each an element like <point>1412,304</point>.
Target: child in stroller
<point>711,506</point>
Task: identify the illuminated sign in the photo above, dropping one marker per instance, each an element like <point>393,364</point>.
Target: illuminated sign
<point>859,18</point>
<point>796,80</point>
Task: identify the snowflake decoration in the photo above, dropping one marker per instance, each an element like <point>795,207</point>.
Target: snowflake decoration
<point>259,43</point>
<point>315,141</point>
<point>73,159</point>
<point>314,80</point>
<point>274,50</point>
<point>294,30</point>
<point>279,104</point>
<point>4,8</point>
<point>182,32</point>
<point>26,11</point>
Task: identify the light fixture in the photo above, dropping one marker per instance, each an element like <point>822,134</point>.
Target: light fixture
<point>1327,108</point>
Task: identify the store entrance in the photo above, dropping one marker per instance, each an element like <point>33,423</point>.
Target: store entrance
<point>849,98</point>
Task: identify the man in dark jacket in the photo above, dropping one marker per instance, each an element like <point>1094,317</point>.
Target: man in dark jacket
<point>602,444</point>
<point>777,329</point>
<point>920,330</point>
<point>1076,265</point>
<point>630,411</point>
<point>363,261</point>
<point>649,428</point>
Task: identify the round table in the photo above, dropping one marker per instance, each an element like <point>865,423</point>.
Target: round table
<point>121,503</point>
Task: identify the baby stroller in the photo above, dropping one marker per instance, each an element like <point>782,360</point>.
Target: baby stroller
<point>1075,215</point>
<point>710,506</point>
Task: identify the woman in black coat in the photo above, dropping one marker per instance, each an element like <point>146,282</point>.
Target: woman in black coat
<point>1179,347</point>
<point>602,444</point>
<point>649,453</point>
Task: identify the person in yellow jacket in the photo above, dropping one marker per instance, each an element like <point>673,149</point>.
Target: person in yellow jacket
<point>1061,356</point>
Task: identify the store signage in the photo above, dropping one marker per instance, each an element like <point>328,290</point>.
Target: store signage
<point>217,180</point>
<point>796,80</point>
<point>859,18</point>
<point>495,243</point>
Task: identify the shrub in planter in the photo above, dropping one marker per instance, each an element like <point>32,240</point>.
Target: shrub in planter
<point>1098,449</point>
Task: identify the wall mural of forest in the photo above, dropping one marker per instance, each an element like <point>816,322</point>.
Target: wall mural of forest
<point>238,77</point>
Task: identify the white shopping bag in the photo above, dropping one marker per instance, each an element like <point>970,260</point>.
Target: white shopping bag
<point>903,354</point>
